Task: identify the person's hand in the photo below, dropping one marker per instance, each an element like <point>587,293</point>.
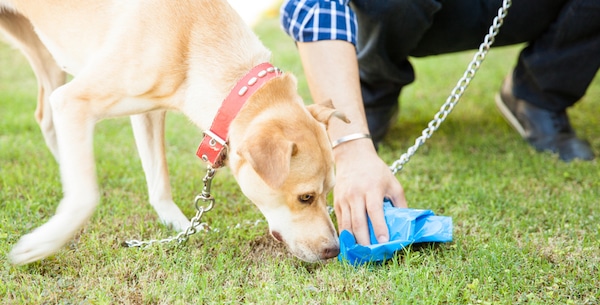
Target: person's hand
<point>363,180</point>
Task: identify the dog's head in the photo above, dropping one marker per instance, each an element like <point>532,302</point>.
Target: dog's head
<point>281,157</point>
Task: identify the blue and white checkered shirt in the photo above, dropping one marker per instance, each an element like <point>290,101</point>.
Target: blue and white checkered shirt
<point>313,20</point>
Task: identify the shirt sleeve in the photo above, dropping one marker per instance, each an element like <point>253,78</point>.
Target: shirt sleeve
<point>313,20</point>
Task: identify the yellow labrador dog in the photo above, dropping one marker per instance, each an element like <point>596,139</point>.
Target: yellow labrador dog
<point>140,58</point>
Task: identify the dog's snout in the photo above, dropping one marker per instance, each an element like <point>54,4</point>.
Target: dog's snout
<point>330,252</point>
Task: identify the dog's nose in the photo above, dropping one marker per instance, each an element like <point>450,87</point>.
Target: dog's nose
<point>330,252</point>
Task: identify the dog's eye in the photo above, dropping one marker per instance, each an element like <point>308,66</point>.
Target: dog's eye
<point>306,198</point>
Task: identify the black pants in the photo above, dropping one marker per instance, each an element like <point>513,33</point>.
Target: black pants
<point>553,71</point>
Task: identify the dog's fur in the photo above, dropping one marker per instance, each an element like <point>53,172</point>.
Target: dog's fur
<point>141,58</point>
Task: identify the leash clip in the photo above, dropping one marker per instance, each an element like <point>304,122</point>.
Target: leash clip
<point>205,196</point>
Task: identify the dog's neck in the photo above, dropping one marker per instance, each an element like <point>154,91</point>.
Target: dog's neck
<point>213,148</point>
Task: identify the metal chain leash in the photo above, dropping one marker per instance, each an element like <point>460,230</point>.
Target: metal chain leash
<point>195,223</point>
<point>458,90</point>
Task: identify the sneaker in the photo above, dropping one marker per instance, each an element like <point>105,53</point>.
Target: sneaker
<point>543,129</point>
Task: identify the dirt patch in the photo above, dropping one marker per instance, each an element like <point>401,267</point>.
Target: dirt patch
<point>265,246</point>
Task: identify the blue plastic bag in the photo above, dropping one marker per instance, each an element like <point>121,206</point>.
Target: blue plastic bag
<point>406,226</point>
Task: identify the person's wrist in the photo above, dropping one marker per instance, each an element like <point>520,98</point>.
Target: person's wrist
<point>350,150</point>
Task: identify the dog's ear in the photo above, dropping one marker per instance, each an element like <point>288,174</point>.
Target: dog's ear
<point>324,111</point>
<point>270,157</point>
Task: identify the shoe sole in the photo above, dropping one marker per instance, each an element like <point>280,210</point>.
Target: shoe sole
<point>509,116</point>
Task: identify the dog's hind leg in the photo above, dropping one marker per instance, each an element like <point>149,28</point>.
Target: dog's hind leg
<point>96,93</point>
<point>149,132</point>
<point>100,90</point>
<point>49,75</point>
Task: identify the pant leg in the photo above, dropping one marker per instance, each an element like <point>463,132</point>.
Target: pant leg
<point>553,72</point>
<point>461,24</point>
<point>555,69</point>
<point>388,30</point>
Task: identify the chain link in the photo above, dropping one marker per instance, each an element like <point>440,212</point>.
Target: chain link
<point>458,90</point>
<point>195,223</point>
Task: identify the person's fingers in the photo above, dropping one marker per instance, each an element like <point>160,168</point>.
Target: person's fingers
<point>360,227</point>
<point>375,212</point>
<point>343,214</point>
<point>354,201</point>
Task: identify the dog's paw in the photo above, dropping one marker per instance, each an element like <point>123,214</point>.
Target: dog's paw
<point>33,247</point>
<point>171,216</point>
<point>179,224</point>
<point>46,239</point>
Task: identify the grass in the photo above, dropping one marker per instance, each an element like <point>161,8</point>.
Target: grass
<point>526,225</point>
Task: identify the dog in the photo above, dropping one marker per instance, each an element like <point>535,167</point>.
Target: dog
<point>143,58</point>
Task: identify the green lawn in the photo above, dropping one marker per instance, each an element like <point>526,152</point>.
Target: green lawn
<point>526,225</point>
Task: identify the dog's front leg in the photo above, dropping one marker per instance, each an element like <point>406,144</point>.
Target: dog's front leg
<point>149,132</point>
<point>74,122</point>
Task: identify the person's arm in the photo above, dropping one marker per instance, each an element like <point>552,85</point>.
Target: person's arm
<point>329,60</point>
<point>362,178</point>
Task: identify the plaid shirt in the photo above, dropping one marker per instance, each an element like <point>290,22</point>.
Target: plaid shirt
<point>313,20</point>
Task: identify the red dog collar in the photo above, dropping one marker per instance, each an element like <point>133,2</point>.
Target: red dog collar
<point>213,148</point>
